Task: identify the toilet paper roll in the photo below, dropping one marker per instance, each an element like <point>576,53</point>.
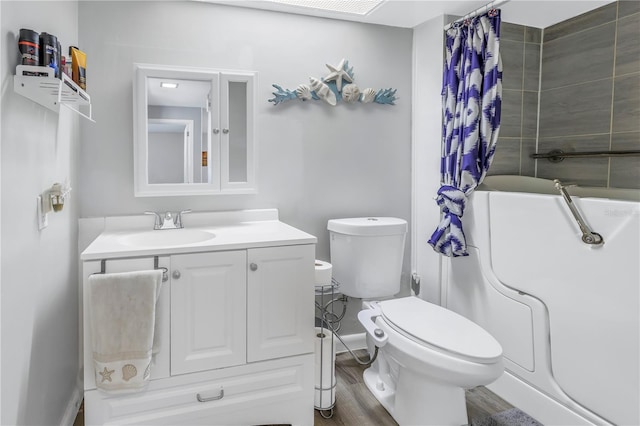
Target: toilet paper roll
<point>323,273</point>
<point>325,374</point>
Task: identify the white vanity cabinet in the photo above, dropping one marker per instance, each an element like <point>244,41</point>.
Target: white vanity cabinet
<point>239,333</point>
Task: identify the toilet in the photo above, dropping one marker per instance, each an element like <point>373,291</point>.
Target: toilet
<point>427,355</point>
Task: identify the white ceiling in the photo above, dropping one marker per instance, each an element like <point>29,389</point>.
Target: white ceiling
<point>411,13</point>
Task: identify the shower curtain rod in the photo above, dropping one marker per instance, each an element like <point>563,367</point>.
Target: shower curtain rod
<point>487,7</point>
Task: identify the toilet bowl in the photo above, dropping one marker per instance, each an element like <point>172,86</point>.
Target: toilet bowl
<point>427,354</point>
<point>429,357</point>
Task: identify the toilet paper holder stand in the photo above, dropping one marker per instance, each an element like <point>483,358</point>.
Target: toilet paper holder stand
<point>327,322</point>
<point>326,318</point>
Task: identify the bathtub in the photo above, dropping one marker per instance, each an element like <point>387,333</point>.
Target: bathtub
<point>565,312</point>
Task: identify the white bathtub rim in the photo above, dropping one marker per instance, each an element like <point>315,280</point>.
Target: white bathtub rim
<point>534,185</point>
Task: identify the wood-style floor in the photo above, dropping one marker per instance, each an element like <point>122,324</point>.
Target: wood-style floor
<point>356,406</point>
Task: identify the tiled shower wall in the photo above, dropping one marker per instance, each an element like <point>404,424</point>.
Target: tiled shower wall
<point>589,97</point>
<point>520,51</point>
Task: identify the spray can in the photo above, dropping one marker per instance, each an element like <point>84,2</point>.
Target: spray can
<point>49,55</point>
<point>29,46</point>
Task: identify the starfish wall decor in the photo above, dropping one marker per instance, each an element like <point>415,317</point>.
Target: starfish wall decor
<point>332,89</point>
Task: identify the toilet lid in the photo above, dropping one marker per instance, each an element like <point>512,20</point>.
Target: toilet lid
<point>441,328</point>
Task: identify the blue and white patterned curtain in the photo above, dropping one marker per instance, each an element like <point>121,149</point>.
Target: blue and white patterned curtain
<point>471,102</point>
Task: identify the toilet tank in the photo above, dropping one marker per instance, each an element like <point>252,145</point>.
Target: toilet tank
<point>366,255</point>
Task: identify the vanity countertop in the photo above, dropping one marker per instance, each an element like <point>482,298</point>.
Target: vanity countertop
<point>134,236</point>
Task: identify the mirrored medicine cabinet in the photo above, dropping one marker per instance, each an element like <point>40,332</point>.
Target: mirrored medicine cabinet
<point>193,131</point>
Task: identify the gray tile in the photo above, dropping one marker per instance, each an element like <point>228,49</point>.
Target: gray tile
<point>626,103</point>
<point>625,141</point>
<point>587,20</point>
<point>529,114</point>
<point>582,109</point>
<point>531,67</point>
<point>532,35</point>
<point>579,58</point>
<point>513,32</point>
<point>628,7</point>
<point>512,53</point>
<point>625,171</point>
<point>575,143</point>
<point>582,171</point>
<point>511,114</point>
<point>506,160</point>
<point>528,164</point>
<point>628,45</point>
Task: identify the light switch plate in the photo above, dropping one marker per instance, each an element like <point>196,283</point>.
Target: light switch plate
<point>43,221</point>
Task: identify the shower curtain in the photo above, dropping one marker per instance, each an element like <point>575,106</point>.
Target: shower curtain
<point>471,103</point>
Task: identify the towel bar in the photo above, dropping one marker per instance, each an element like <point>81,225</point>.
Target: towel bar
<point>165,271</point>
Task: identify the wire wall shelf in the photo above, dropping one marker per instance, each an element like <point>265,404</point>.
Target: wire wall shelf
<point>40,85</point>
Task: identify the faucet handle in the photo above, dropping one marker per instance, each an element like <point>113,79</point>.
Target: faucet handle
<point>178,219</point>
<point>158,219</point>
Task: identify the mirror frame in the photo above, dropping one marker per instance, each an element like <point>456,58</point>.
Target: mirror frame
<point>218,142</point>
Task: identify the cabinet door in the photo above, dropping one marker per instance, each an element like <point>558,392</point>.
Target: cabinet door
<point>280,301</point>
<point>208,311</point>
<point>237,148</point>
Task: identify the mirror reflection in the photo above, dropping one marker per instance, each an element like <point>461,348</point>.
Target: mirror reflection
<point>171,147</point>
<point>178,114</point>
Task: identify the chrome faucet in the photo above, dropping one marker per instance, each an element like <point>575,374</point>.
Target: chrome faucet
<point>178,220</point>
<point>168,221</point>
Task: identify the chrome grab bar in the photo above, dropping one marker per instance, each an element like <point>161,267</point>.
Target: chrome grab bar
<point>557,155</point>
<point>588,236</point>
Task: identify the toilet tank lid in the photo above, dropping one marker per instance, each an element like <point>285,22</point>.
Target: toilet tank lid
<point>368,226</point>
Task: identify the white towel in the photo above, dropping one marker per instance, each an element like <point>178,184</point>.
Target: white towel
<point>123,317</point>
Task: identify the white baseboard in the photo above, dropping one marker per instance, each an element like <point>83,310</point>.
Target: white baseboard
<point>73,406</point>
<point>353,341</point>
<point>538,405</point>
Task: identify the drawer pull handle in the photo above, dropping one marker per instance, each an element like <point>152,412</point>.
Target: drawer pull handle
<point>253,267</point>
<point>213,398</point>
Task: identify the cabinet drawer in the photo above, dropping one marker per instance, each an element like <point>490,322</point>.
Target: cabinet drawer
<point>279,391</point>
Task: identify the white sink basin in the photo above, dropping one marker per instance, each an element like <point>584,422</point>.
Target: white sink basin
<point>168,237</point>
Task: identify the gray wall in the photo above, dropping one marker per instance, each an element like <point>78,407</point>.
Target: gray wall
<point>588,98</point>
<point>39,268</point>
<point>315,162</point>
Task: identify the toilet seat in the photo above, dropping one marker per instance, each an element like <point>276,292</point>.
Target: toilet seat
<point>440,329</point>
